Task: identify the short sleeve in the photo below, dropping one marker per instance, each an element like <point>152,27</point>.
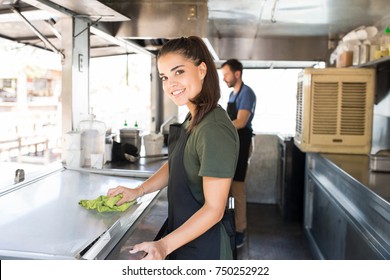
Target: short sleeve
<point>217,150</point>
<point>246,100</point>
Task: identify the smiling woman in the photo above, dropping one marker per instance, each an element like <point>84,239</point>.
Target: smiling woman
<point>199,171</point>
<point>179,81</point>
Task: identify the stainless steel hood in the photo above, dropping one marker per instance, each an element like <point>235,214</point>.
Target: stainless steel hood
<point>231,28</point>
<point>252,30</point>
<point>162,19</point>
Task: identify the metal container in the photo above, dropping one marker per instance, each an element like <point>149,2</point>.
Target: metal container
<point>130,136</point>
<point>380,161</point>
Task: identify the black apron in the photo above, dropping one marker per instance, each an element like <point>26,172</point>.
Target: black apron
<point>182,204</point>
<point>245,135</point>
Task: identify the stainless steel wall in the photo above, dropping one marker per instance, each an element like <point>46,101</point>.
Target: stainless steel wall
<point>381,127</point>
<point>381,119</point>
<point>282,48</point>
<point>262,171</point>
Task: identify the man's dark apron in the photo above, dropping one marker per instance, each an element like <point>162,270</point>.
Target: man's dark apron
<point>182,204</point>
<point>245,136</point>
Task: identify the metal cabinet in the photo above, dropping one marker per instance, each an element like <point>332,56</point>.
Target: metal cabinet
<point>290,181</point>
<point>343,219</point>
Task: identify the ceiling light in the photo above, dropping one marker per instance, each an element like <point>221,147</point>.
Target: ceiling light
<point>192,13</point>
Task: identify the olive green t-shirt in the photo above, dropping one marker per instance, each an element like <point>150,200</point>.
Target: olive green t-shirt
<point>212,150</point>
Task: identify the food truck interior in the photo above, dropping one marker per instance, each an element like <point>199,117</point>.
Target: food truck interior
<point>306,200</point>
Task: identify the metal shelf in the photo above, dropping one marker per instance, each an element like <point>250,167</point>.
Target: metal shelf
<point>375,62</point>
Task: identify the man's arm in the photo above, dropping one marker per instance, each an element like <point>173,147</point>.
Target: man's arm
<point>242,119</point>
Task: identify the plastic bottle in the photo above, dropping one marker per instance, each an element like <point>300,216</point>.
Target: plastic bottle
<point>375,52</point>
<point>108,148</point>
<point>385,42</point>
<point>92,140</point>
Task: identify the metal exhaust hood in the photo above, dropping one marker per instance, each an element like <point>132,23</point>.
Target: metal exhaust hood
<point>161,19</point>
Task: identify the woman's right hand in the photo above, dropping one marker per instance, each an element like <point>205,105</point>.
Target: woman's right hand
<point>155,250</point>
<point>127,193</point>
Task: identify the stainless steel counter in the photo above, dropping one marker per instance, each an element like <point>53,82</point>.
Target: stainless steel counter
<point>358,167</point>
<point>347,207</point>
<point>41,218</point>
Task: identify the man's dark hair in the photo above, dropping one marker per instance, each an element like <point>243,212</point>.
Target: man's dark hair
<point>234,65</point>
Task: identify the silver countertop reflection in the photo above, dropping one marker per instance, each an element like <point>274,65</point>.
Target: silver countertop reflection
<point>42,219</point>
<point>358,167</point>
<point>143,168</point>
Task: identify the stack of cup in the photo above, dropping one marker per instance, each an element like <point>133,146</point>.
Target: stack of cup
<point>72,153</point>
<point>97,160</point>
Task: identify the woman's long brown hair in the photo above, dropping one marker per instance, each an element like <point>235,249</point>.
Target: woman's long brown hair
<point>195,49</point>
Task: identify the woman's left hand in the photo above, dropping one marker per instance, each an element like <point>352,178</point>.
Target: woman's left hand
<point>155,250</point>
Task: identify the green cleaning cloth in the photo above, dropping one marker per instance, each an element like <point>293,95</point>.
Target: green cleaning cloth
<point>106,204</point>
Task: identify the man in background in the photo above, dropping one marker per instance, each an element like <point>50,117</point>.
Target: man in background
<point>241,108</point>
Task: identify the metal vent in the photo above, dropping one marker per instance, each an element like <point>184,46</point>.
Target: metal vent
<point>325,108</point>
<point>299,112</point>
<point>353,109</point>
